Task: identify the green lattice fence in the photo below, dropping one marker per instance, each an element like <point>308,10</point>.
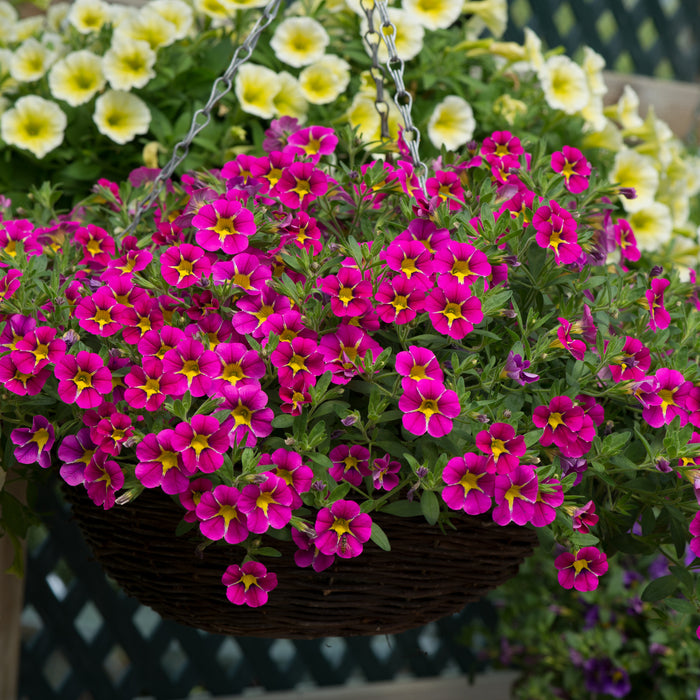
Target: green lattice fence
<point>650,37</point>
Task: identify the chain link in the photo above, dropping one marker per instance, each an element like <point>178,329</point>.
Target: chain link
<point>373,39</point>
<point>201,118</point>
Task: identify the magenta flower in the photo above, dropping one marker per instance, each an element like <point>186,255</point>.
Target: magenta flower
<point>110,433</point>
<point>198,366</point>
<point>565,425</point>
<point>248,584</point>
<point>300,184</point>
<point>580,571</point>
<point>313,141</point>
<point>244,271</point>
<point>157,342</point>
<point>98,246</point>
<point>288,466</point>
<point>695,533</point>
<point>350,464</point>
<point>75,452</point>
<point>633,363</point>
<point>556,229</point>
<point>201,443</point>
<point>267,505</point>
<point>252,418</point>
<point>240,366</point>
<point>385,473</point>
<point>224,225</point>
<point>574,167</point>
<point>97,313</point>
<point>298,360</point>
<point>303,232</point>
<point>428,407</point>
<point>34,444</point>
<point>576,347</point>
<point>192,495</point>
<point>672,389</point>
<point>469,484</point>
<point>83,379</point>
<point>550,496</point>
<point>350,293</point>
<point>427,232</point>
<point>411,258</point>
<point>659,318</point>
<point>184,265</point>
<point>344,351</point>
<point>160,463</point>
<point>220,516</point>
<point>143,316</point>
<point>148,385</point>
<point>462,261</point>
<point>503,447</point>
<point>447,187</point>
<point>18,382</point>
<point>256,312</point>
<point>515,495</point>
<point>342,529</point>
<point>294,398</point>
<point>584,518</point>
<point>418,363</point>
<point>502,150</point>
<point>452,309</point>
<point>308,553</point>
<point>9,284</point>
<point>626,241</point>
<point>398,300</point>
<point>103,478</point>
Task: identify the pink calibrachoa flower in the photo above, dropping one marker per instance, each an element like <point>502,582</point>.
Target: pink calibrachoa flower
<point>556,229</point>
<point>255,312</point>
<point>34,444</point>
<point>580,571</point>
<point>248,584</point>
<point>418,363</point>
<point>15,329</point>
<point>75,453</point>
<point>160,463</point>
<point>503,447</point>
<point>695,540</point>
<point>148,385</point>
<point>550,496</point>
<point>411,258</point>
<point>515,495</point>
<point>184,265</point>
<point>97,312</point>
<point>202,442</point>
<point>240,366</point>
<point>157,343</point>
<point>298,360</point>
<point>303,232</point>
<point>98,246</point>
<point>110,433</point>
<point>299,184</point>
<point>576,347</point>
<point>248,406</point>
<point>21,383</point>
<point>288,466</point>
<point>565,425</point>
<point>308,553</point>
<point>192,495</point>
<point>452,309</point>
<point>427,232</point>
<point>198,366</point>
<point>626,241</point>
<point>220,516</point>
<point>344,352</point>
<point>428,407</point>
<point>9,284</point>
<point>349,291</point>
<point>314,141</point>
<point>632,364</point>
<point>350,463</point>
<point>103,478</point>
<point>398,300</point>
<point>244,271</point>
<point>502,149</point>
<point>448,187</point>
<point>267,505</point>
<point>385,473</point>
<point>672,390</point>
<point>224,225</point>
<point>462,261</point>
<point>83,379</point>
<point>342,529</point>
<point>573,166</point>
<point>659,318</point>
<point>138,319</point>
<point>583,518</point>
<point>469,484</point>
<point>294,398</point>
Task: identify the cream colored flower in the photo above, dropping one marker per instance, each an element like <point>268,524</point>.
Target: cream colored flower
<point>408,39</point>
<point>452,123</point>
<point>256,88</point>
<point>290,100</point>
<point>245,4</point>
<point>30,61</point>
<point>34,124</point>
<point>363,115</point>
<point>564,84</point>
<point>29,27</point>
<point>178,13</point>
<point>492,14</point>
<point>608,138</point>
<point>128,63</point>
<point>8,20</point>
<point>593,65</point>
<point>5,60</point>
<point>299,41</point>
<point>434,14</point>
<point>121,116</point>
<point>655,138</point>
<point>76,78</point>
<point>89,16</point>
<point>632,169</point>
<point>217,10</point>
<point>56,14</point>
<point>533,49</point>
<point>594,114</point>
<point>148,25</point>
<point>652,226</point>
<point>626,111</point>
<point>325,80</point>
<point>509,108</point>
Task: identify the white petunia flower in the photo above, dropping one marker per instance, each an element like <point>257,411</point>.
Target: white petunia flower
<point>256,88</point>
<point>148,25</point>
<point>28,27</point>
<point>128,63</point>
<point>632,169</point>
<point>121,116</point>
<point>492,14</point>
<point>56,15</point>
<point>652,226</point>
<point>608,138</point>
<point>299,41</point>
<point>177,12</point>
<point>34,124</point>
<point>89,16</point>
<point>627,109</point>
<point>593,65</point>
<point>217,10</point>
<point>290,100</point>
<point>434,14</point>
<point>564,84</point>
<point>533,50</point>
<point>452,123</point>
<point>8,20</point>
<point>408,39</point>
<point>325,80</point>
<point>30,61</point>
<point>76,78</point>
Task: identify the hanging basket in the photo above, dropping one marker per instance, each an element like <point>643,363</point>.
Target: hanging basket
<point>427,575</point>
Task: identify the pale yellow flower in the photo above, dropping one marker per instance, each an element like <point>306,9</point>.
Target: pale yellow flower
<point>30,61</point>
<point>290,99</point>
<point>533,49</point>
<point>256,88</point>
<point>128,63</point>
<point>564,84</point>
<point>177,12</point>
<point>492,14</point>
<point>29,27</point>
<point>593,65</point>
<point>325,80</point>
<point>8,83</point>
<point>594,114</point>
<point>434,14</point>
<point>8,20</point>
<point>652,225</point>
<point>121,116</point>
<point>56,14</point>
<point>632,169</point>
<point>509,108</point>
<point>34,124</point>
<point>299,41</point>
<point>609,138</point>
<point>626,111</point>
<point>245,4</point>
<point>363,115</point>
<point>148,25</point>
<point>452,123</point>
<point>89,16</point>
<point>655,137</point>
<point>217,10</point>
<point>77,77</point>
<point>408,38</point>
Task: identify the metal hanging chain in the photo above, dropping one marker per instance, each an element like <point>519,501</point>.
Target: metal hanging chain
<point>201,118</point>
<point>373,38</point>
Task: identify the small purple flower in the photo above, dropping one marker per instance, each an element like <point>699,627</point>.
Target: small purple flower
<point>34,444</point>
<point>515,369</point>
<point>602,676</point>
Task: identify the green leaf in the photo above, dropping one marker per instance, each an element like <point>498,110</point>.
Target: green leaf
<point>268,552</point>
<point>430,506</point>
<point>379,538</point>
<point>403,509</point>
<point>681,605</point>
<point>659,588</point>
<point>282,420</point>
<point>320,459</point>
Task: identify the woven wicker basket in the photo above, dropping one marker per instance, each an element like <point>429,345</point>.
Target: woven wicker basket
<point>426,576</point>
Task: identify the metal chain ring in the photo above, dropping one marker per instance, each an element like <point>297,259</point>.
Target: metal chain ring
<point>373,37</point>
